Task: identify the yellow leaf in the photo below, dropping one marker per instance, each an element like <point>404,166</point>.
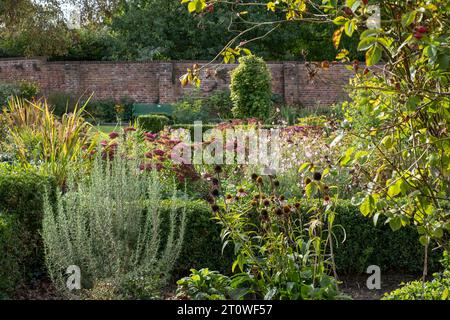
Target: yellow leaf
<point>271,6</point>
<point>337,36</point>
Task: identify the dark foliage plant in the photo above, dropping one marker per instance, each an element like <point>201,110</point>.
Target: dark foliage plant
<point>21,192</point>
<point>153,122</point>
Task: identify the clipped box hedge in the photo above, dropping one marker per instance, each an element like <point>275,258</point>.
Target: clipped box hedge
<point>22,251</point>
<point>153,122</point>
<point>366,244</point>
<point>202,246</point>
<point>21,196</point>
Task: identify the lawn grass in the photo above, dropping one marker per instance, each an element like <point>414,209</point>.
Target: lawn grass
<point>107,128</point>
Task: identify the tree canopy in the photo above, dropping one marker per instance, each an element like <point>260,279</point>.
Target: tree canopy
<point>149,30</point>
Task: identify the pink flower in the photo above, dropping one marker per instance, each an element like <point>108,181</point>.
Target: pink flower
<point>148,155</point>
<point>113,135</point>
<point>159,152</point>
<point>104,143</point>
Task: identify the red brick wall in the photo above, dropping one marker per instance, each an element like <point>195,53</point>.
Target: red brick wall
<point>157,82</point>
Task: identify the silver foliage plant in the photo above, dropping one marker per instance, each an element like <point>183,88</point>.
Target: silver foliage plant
<point>109,225</point>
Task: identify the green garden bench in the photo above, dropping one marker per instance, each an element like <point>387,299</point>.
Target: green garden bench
<point>140,109</point>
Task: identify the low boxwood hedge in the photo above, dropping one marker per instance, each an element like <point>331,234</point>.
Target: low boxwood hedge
<point>202,246</point>
<point>21,198</point>
<point>365,243</point>
<point>153,122</point>
<point>20,242</point>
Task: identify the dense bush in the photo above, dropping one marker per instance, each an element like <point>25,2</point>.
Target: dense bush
<point>197,107</point>
<point>21,194</point>
<point>109,225</point>
<point>365,245</point>
<point>204,285</point>
<point>61,102</point>
<point>23,89</point>
<point>436,289</point>
<point>153,122</point>
<point>250,87</point>
<point>96,111</point>
<point>110,111</point>
<point>219,104</point>
<point>202,239</point>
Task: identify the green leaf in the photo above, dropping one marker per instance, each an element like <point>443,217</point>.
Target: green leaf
<point>408,18</point>
<point>373,55</point>
<point>395,223</point>
<point>368,205</point>
<point>342,54</point>
<point>443,62</point>
<point>350,27</point>
<point>445,294</point>
<point>424,240</point>
<point>438,233</point>
<point>304,166</point>
<point>369,33</point>
<point>366,43</point>
<point>412,102</point>
<point>347,156</point>
<point>430,52</point>
<point>340,21</point>
<point>311,189</point>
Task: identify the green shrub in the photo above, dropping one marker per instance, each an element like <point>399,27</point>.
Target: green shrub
<point>61,102</point>
<point>22,89</point>
<point>219,104</point>
<point>196,107</point>
<point>28,89</point>
<point>153,122</point>
<point>366,244</point>
<point>202,244</point>
<point>436,289</point>
<point>109,225</point>
<point>251,88</point>
<point>20,225</point>
<point>189,109</point>
<point>110,111</point>
<point>101,111</point>
<point>204,285</point>
<point>96,111</point>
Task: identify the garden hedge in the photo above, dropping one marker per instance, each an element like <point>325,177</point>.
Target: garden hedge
<point>365,245</point>
<point>20,243</point>
<point>21,194</point>
<point>153,122</point>
<point>202,246</point>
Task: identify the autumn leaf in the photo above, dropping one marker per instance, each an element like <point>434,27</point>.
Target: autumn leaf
<point>337,36</point>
